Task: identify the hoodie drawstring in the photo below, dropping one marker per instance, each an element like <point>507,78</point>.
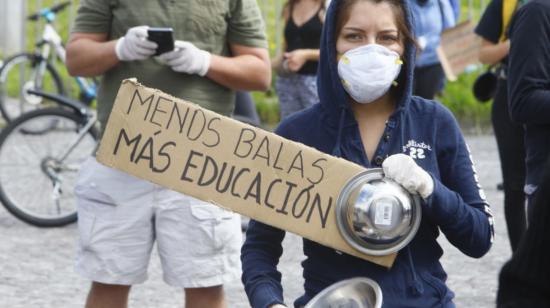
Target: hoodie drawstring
<point>336,150</point>
<point>416,286</point>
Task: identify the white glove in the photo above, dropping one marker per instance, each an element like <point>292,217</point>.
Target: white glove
<point>134,45</point>
<point>187,58</point>
<point>402,169</point>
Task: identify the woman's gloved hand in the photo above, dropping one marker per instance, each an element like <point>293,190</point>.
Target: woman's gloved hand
<point>403,169</point>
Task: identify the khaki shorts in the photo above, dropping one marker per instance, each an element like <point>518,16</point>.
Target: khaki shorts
<point>120,217</point>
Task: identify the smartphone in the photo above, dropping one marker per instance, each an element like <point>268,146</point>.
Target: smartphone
<point>163,37</point>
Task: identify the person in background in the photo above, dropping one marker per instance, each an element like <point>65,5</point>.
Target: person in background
<point>524,280</point>
<point>495,46</point>
<point>367,115</point>
<point>529,87</point>
<point>455,4</point>
<point>296,83</point>
<point>431,17</point>
<point>219,46</point>
<point>245,109</point>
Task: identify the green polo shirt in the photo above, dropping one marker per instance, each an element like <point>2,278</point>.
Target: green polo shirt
<point>209,24</point>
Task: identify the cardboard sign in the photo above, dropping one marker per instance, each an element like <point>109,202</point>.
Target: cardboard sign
<point>459,48</point>
<point>186,148</point>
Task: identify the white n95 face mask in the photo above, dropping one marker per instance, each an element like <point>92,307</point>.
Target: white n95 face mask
<point>367,72</point>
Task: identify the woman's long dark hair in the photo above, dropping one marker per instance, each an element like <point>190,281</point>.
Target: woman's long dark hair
<point>398,10</point>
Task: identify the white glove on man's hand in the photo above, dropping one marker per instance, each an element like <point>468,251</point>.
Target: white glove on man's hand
<point>187,58</point>
<point>402,169</point>
<point>134,45</point>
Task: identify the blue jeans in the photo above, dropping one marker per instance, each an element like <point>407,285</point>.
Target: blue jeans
<point>296,92</point>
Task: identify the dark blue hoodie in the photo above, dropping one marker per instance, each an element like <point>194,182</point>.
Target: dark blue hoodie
<point>423,129</point>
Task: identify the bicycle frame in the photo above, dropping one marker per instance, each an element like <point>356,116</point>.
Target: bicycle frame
<point>51,40</point>
<point>77,107</point>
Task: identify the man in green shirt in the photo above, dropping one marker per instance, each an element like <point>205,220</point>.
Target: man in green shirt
<point>220,47</point>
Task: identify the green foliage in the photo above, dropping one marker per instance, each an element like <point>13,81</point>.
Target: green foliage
<point>458,95</point>
<point>267,106</point>
<point>267,103</point>
<point>459,98</point>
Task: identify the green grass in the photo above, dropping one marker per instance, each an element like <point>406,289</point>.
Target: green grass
<point>22,72</point>
<point>267,103</point>
<point>458,97</point>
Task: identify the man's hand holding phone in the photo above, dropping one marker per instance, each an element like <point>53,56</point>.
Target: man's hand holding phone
<point>187,58</point>
<point>135,45</point>
<point>142,42</point>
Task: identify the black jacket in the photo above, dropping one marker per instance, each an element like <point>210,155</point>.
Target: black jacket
<point>529,83</point>
<point>525,279</point>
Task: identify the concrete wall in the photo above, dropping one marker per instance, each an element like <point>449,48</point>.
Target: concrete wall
<point>11,26</point>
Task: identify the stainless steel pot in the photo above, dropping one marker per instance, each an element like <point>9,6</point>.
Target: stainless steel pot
<point>376,215</point>
<point>351,293</point>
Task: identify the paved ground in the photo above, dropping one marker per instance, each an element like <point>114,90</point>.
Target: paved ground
<point>36,265</point>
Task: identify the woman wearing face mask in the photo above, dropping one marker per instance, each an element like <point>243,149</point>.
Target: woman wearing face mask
<point>367,115</point>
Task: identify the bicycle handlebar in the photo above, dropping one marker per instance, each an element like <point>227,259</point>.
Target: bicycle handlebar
<point>54,9</point>
<point>59,7</point>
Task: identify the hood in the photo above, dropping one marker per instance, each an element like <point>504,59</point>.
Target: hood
<point>332,95</point>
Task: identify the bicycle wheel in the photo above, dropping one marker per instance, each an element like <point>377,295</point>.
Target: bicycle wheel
<point>39,170</point>
<point>20,73</point>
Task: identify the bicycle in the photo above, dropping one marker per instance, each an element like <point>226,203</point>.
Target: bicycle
<point>27,71</point>
<point>40,156</point>
<point>34,150</point>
